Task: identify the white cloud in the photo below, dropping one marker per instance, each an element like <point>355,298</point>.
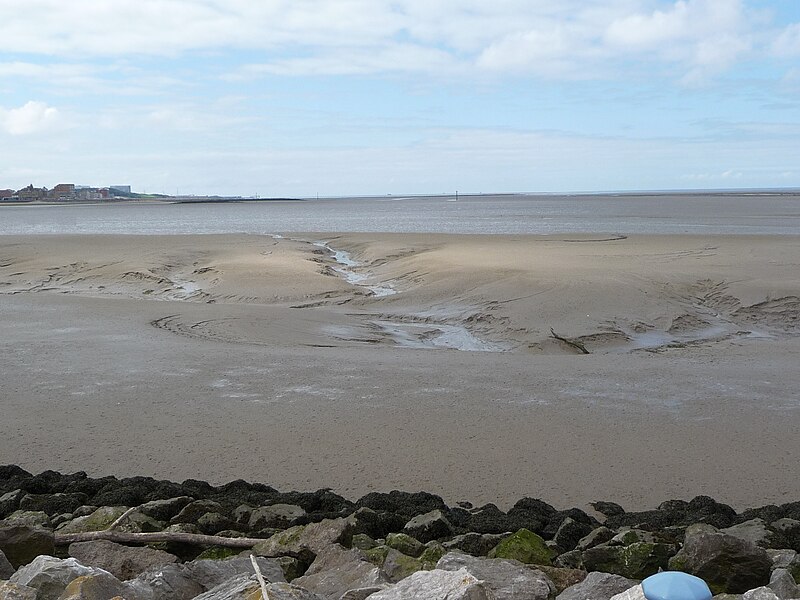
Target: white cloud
<point>788,42</point>
<point>32,117</point>
<point>568,39</point>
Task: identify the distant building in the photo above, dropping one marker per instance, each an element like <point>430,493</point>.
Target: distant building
<point>125,189</point>
<point>63,191</point>
<point>30,194</point>
<point>7,193</point>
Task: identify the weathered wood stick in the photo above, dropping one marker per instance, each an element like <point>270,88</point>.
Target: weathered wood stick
<point>124,537</point>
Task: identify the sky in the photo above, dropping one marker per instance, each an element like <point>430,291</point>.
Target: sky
<point>359,97</point>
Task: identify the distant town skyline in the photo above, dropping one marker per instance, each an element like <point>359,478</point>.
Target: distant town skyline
<point>400,97</point>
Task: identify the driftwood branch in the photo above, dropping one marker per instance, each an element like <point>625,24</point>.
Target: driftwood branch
<point>261,582</point>
<point>124,537</point>
<point>574,343</point>
<point>122,517</point>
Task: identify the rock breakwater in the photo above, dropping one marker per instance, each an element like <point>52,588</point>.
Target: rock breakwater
<point>73,536</point>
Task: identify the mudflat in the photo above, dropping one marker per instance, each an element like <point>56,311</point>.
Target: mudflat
<point>484,368</point>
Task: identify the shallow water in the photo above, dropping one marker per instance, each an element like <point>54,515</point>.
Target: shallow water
<point>499,214</point>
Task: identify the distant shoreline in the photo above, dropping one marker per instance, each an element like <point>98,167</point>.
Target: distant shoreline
<point>754,192</point>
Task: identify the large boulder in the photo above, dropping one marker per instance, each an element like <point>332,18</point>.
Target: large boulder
<point>164,510</point>
<point>52,504</point>
<point>429,526</point>
<point>246,587</point>
<point>755,531</point>
<point>9,502</point>
<point>49,576</point>
<point>100,586</point>
<point>278,516</point>
<point>124,562</point>
<point>760,593</point>
<point>507,579</point>
<point>437,585</point>
<point>21,544</point>
<point>30,518</point>
<point>306,541</point>
<point>728,564</point>
<point>99,520</point>
<point>634,561</point>
<point>15,591</point>
<point>406,544</point>
<point>210,573</point>
<point>524,546</point>
<point>597,586</point>
<point>6,569</point>
<point>397,566</point>
<point>194,510</point>
<point>169,582</point>
<point>337,570</point>
<point>570,532</point>
<point>783,584</point>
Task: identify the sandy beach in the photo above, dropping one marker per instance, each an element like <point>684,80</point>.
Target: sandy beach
<point>368,362</point>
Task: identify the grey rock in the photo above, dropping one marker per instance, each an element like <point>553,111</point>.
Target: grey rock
<point>363,542</point>
<point>406,544</point>
<point>99,520</point>
<point>84,511</point>
<point>279,516</point>
<point>246,588</point>
<point>727,597</point>
<point>597,586</point>
<point>9,502</point>
<point>598,536</point>
<point>754,531</point>
<point>31,518</point>
<point>164,510</point>
<point>305,541</point>
<point>169,582</point>
<point>632,536</point>
<point>15,591</point>
<point>52,503</point>
<point>569,533</point>
<point>211,523</point>
<point>507,579</point>
<point>100,586</point>
<point>437,585</point>
<point>726,563</point>
<point>124,562</point>
<point>240,587</point>
<point>6,570</point>
<point>361,593</point>
<point>49,576</point>
<point>397,566</point>
<point>759,593</point>
<point>57,520</point>
<point>783,584</point>
<point>194,510</point>
<point>430,526</point>
<point>211,573</point>
<point>785,525</point>
<point>635,561</point>
<point>477,544</point>
<point>569,560</point>
<point>634,593</point>
<point>781,559</point>
<point>241,514</point>
<point>291,567</point>
<point>337,570</point>
<point>21,544</point>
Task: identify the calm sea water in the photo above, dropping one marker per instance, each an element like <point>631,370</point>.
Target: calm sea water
<point>509,214</point>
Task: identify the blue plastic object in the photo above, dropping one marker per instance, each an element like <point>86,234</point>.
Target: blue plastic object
<point>675,585</point>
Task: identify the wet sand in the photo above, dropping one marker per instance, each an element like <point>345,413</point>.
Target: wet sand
<point>243,356</point>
